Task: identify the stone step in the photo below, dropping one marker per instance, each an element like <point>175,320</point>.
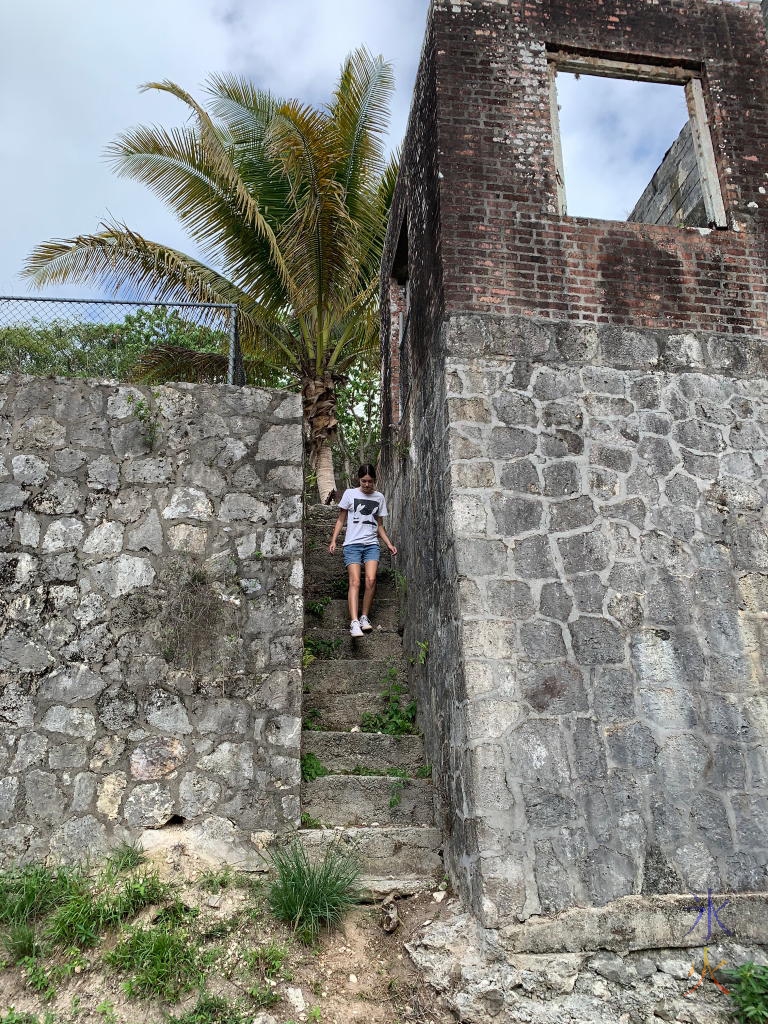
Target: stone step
<point>369,800</point>
<point>325,575</point>
<point>347,751</point>
<point>401,859</point>
<point>374,646</point>
<point>384,618</point>
<point>340,712</point>
<point>348,675</point>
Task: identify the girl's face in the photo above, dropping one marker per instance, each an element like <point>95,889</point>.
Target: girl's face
<point>367,484</point>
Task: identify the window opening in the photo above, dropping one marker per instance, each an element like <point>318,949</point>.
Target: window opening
<point>632,143</point>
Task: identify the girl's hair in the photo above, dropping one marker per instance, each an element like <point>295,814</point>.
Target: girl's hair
<point>366,471</point>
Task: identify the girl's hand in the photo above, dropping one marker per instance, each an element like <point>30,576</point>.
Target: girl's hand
<point>332,547</point>
<point>393,549</point>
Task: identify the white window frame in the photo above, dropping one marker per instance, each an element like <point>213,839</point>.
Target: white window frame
<point>670,75</point>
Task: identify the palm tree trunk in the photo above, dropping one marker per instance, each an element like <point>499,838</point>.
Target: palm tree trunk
<point>326,481</point>
<point>319,402</point>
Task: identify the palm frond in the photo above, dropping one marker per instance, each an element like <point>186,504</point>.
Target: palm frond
<point>223,170</point>
<point>118,258</point>
<point>360,114</point>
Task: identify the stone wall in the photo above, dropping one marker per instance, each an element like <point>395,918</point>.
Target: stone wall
<point>608,520</point>
<point>582,456</point>
<point>674,195</point>
<point>152,608</point>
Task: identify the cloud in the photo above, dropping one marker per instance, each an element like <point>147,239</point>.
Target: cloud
<point>69,78</point>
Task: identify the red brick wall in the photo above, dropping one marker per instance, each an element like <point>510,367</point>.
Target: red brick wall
<point>505,247</point>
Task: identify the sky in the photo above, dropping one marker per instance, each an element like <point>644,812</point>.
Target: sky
<point>69,74</point>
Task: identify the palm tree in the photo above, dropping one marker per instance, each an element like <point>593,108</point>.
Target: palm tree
<point>288,205</point>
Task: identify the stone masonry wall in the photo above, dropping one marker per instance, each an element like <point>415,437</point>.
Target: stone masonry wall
<point>582,456</point>
<point>609,525</point>
<point>151,612</point>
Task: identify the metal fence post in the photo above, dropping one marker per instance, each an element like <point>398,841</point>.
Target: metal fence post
<point>235,370</point>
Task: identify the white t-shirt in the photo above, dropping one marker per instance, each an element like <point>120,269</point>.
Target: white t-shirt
<point>363,512</point>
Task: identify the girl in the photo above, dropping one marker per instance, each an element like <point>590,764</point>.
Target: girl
<point>361,542</point>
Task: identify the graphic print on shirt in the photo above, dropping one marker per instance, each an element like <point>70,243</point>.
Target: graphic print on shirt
<point>364,510</point>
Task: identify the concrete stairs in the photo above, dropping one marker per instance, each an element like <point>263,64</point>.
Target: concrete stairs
<point>376,792</point>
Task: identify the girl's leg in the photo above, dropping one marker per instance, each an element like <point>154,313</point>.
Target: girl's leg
<point>370,585</point>
<point>353,596</point>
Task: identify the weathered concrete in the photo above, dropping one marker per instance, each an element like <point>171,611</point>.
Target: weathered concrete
<point>152,611</point>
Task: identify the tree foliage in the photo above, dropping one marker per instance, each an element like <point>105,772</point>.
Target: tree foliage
<point>287,203</point>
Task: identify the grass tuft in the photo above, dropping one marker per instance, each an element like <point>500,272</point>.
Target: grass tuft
<point>267,959</point>
<point>32,891</point>
<point>310,895</point>
<point>216,879</point>
<point>211,1009</point>
<point>161,963</point>
<point>126,857</point>
<point>21,943</point>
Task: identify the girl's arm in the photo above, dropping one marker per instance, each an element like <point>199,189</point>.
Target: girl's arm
<point>337,528</point>
<point>383,534</point>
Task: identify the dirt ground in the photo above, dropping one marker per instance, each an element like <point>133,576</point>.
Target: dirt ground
<point>357,973</point>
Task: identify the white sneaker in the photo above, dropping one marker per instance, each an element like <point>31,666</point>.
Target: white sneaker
<point>354,628</point>
<point>365,624</point>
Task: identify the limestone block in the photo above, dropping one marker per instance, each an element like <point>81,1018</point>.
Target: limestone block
<point>285,478</point>
<point>233,761</point>
<point>533,559</point>
<point>40,432</point>
<point>149,805</point>
<point>278,543</point>
<point>208,479</point>
<point>188,503</point>
<point>30,749</point>
<point>61,498</point>
<point>166,712</point>
<point>68,460</point>
<point>23,655</point>
<point>244,506</point>
<point>44,799</point>
<point>147,471</point>
<point>68,755</point>
<point>110,794</point>
<point>105,539</point>
<point>596,641</point>
<point>122,575</point>
<point>281,444</point>
<point>156,757</point>
<point>9,790</point>
<point>28,527</point>
<point>189,539</point>
<point>148,534</point>
<point>198,794</point>
<point>29,469</point>
<point>62,535</point>
<point>11,497</point>
<point>69,721</point>
<point>224,716</point>
<point>80,839</point>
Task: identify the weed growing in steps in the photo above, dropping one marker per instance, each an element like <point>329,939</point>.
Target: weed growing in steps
<point>21,943</point>
<point>12,1017</point>
<point>312,768</point>
<point>312,721</point>
<point>317,608</point>
<point>322,647</point>
<point>267,959</point>
<point>307,821</point>
<point>396,790</point>
<point>398,718</point>
<point>310,895</point>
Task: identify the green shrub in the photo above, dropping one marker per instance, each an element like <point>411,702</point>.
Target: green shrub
<point>321,646</point>
<point>310,895</point>
<point>317,608</point>
<point>749,990</point>
<point>161,963</point>
<point>307,821</point>
<point>312,768</point>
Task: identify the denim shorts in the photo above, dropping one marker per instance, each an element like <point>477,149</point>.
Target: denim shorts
<point>357,554</point>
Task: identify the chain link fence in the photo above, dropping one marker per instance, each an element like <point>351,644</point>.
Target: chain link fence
<point>125,341</point>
